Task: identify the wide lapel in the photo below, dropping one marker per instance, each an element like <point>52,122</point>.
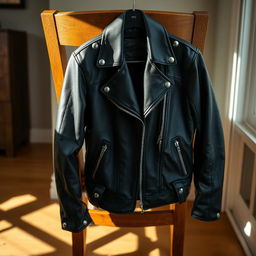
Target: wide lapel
<point>119,90</point>
<point>156,85</point>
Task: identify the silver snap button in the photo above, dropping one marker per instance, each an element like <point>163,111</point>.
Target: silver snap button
<point>95,45</point>
<point>85,222</point>
<point>171,60</point>
<point>102,62</point>
<point>180,190</point>
<point>64,224</point>
<point>218,215</point>
<point>167,84</point>
<point>106,89</point>
<point>96,195</point>
<point>175,43</point>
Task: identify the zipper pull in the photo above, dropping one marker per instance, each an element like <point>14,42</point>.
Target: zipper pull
<point>104,147</point>
<point>177,145</point>
<point>160,142</point>
<point>141,207</point>
<point>102,152</point>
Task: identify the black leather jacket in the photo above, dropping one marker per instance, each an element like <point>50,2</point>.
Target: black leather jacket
<point>137,95</point>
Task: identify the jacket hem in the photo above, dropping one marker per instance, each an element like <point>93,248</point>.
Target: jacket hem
<point>195,216</point>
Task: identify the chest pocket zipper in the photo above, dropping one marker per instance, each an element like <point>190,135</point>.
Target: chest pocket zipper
<point>102,152</point>
<point>160,137</point>
<point>177,145</point>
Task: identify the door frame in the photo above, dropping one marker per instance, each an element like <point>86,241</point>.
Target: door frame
<point>237,132</point>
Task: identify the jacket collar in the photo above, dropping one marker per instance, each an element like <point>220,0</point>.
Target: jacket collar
<point>112,52</point>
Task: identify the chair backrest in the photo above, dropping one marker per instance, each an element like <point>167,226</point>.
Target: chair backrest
<point>74,28</point>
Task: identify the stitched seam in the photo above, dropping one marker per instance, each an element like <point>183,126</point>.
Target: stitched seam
<point>191,102</point>
<point>79,65</point>
<point>64,111</point>
<point>154,103</point>
<point>87,44</point>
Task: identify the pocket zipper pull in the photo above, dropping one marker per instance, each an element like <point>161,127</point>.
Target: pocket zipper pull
<point>103,150</point>
<point>159,142</point>
<point>177,145</point>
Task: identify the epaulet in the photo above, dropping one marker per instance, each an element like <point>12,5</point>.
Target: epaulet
<point>87,44</point>
<point>182,41</point>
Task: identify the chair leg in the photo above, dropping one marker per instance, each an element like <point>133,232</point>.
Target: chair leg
<point>79,243</point>
<point>177,230</point>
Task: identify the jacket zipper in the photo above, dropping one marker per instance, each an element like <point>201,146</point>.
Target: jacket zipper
<point>141,162</point>
<point>141,152</point>
<point>160,137</point>
<point>102,152</point>
<point>177,145</point>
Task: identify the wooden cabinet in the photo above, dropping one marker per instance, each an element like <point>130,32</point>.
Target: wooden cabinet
<point>14,111</point>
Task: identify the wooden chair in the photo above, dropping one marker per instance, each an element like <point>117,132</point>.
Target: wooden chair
<point>74,28</point>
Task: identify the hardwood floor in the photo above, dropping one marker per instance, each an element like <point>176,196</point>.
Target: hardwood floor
<point>30,224</point>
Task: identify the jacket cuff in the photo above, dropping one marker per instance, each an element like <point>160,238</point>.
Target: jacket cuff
<point>69,225</point>
<point>207,206</point>
<point>210,217</point>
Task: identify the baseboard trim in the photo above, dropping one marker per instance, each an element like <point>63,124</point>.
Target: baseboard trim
<point>238,233</point>
<point>40,135</point>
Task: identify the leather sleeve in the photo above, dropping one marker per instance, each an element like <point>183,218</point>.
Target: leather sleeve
<point>68,140</point>
<point>209,151</point>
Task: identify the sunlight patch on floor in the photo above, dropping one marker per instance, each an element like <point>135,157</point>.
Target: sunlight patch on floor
<point>102,240</point>
<point>116,244</point>
<point>150,232</point>
<point>50,223</point>
<point>4,225</point>
<point>17,201</point>
<point>16,241</point>
<point>155,252</point>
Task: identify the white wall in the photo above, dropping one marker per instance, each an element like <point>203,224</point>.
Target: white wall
<point>221,51</point>
<point>28,20</point>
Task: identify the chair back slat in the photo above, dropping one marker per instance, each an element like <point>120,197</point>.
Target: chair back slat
<point>86,25</point>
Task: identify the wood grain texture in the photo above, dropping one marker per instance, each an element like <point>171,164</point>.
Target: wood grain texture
<point>79,239</point>
<point>200,29</point>
<point>136,219</point>
<point>57,53</point>
<point>86,25</point>
<point>177,231</point>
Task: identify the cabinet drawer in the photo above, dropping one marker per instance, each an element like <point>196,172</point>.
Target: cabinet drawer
<point>5,113</point>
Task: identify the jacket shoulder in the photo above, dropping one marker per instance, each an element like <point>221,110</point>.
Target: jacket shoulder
<point>183,42</point>
<point>81,51</point>
<point>184,51</point>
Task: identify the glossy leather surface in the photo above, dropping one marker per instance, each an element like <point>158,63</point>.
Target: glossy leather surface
<point>137,110</point>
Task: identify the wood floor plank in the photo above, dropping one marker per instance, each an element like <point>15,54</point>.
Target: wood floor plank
<point>30,223</point>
